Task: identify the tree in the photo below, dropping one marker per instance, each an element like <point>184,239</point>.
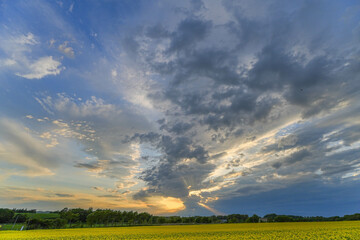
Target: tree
<point>355,216</point>
<point>161,220</point>
<point>82,213</point>
<point>270,217</point>
<point>46,223</point>
<point>91,219</point>
<point>6,215</point>
<point>237,218</point>
<point>232,220</point>
<point>69,215</point>
<point>21,218</point>
<point>175,219</point>
<point>283,218</point>
<point>253,219</point>
<point>145,217</point>
<point>58,223</point>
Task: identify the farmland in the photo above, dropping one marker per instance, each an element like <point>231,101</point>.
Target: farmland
<point>314,230</point>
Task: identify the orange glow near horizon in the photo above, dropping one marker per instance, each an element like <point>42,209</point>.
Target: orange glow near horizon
<point>165,204</point>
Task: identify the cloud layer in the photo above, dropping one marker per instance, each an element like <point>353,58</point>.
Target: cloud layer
<point>181,107</point>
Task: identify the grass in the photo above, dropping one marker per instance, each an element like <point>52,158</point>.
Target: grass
<point>8,226</point>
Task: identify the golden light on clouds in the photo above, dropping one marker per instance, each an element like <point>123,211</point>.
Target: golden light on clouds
<point>19,195</point>
<point>163,205</point>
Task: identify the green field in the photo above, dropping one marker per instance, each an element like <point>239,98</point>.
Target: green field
<point>9,226</point>
<point>317,230</point>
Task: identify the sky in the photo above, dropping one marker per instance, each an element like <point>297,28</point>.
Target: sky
<point>181,107</point>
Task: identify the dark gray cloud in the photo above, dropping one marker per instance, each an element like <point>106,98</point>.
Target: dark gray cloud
<point>157,31</point>
<point>174,149</point>
<point>197,5</point>
<point>108,196</point>
<point>293,158</point>
<point>182,164</point>
<point>87,165</point>
<point>178,128</point>
<point>189,32</point>
<point>116,169</point>
<point>311,84</point>
<point>65,195</point>
<point>175,180</point>
<point>236,79</point>
<point>328,149</point>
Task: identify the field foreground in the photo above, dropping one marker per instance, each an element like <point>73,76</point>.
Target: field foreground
<point>315,230</point>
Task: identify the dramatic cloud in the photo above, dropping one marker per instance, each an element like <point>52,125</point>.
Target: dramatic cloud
<point>182,107</point>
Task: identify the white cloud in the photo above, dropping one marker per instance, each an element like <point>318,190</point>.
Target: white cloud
<point>68,51</point>
<point>135,86</point>
<point>42,67</point>
<point>91,107</point>
<point>9,62</point>
<point>52,41</point>
<point>21,60</point>
<point>26,39</point>
<point>100,127</point>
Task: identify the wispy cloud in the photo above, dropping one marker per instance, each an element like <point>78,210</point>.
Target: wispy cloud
<point>19,148</point>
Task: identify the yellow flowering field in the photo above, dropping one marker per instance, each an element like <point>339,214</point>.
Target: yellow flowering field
<point>317,230</point>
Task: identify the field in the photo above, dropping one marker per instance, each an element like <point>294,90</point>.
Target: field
<point>319,230</point>
<point>9,226</point>
<point>17,226</point>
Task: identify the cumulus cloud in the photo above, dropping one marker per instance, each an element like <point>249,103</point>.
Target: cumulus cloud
<point>18,49</point>
<point>42,67</point>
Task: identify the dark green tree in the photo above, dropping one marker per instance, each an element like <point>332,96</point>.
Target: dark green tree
<point>20,218</point>
<point>283,218</point>
<point>6,215</point>
<point>253,219</point>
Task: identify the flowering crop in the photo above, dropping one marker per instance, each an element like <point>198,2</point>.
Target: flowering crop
<point>317,230</point>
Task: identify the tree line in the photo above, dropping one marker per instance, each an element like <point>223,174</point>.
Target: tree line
<point>24,210</point>
<point>78,217</point>
<point>292,218</point>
